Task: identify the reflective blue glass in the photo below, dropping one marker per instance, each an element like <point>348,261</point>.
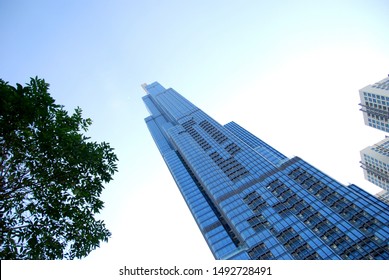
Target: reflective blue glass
<point>252,202</point>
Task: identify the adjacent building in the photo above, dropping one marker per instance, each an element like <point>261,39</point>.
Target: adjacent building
<point>375,159</point>
<point>252,202</point>
<point>375,163</point>
<point>383,195</point>
<point>375,104</point>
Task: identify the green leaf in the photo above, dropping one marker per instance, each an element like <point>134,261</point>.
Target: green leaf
<point>52,177</point>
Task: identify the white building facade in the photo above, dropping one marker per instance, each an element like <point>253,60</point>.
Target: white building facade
<point>384,196</point>
<point>375,104</point>
<point>375,163</point>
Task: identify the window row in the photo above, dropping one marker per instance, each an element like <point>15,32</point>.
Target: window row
<point>230,166</point>
<point>199,139</point>
<point>260,252</point>
<point>213,132</point>
<point>258,222</point>
<point>375,95</point>
<point>348,210</point>
<point>366,249</point>
<point>232,149</point>
<point>255,202</point>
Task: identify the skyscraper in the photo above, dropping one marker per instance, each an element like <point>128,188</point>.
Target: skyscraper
<point>375,163</point>
<point>375,104</point>
<point>252,202</point>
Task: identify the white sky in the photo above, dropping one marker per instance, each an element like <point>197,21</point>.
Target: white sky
<point>288,71</point>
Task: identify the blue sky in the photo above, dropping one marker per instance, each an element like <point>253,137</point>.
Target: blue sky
<point>288,71</point>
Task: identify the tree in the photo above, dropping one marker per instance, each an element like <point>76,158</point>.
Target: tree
<point>51,177</point>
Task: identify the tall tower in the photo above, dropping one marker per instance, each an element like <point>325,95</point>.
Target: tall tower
<point>252,202</point>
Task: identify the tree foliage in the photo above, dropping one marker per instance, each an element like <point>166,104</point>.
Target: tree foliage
<point>51,177</point>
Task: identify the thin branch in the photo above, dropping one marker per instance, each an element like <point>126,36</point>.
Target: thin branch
<point>4,197</point>
<point>19,227</point>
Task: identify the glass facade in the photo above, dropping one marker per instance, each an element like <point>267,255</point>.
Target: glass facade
<point>252,202</point>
